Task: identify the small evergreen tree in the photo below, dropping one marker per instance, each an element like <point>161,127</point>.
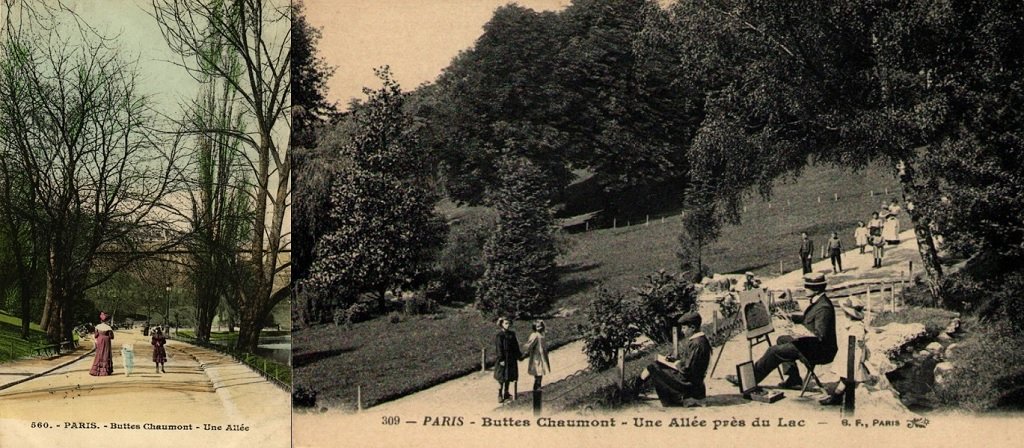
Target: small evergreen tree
<point>520,255</point>
<point>384,230</point>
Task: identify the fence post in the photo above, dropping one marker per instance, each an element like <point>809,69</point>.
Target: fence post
<point>615,222</point>
<point>587,224</point>
<point>483,359</point>
<point>622,367</point>
<point>675,341</point>
<point>867,294</point>
<point>648,222</point>
<point>780,268</point>
<point>851,383</point>
<point>835,197</point>
<point>359,398</point>
<point>903,289</point>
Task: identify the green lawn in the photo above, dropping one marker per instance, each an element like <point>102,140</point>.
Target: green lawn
<point>390,360</point>
<point>11,342</point>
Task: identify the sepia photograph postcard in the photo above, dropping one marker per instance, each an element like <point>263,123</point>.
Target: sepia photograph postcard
<point>145,223</point>
<point>626,222</point>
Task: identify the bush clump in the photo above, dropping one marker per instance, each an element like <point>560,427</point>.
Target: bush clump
<point>659,301</point>
<point>419,305</point>
<point>303,397</point>
<point>609,325</point>
<point>615,321</point>
<point>988,372</point>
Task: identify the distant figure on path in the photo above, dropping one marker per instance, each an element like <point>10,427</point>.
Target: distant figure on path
<point>750,282</point>
<point>806,252</point>
<point>891,230</point>
<point>678,379</point>
<point>159,354</point>
<point>878,249</point>
<point>103,363</point>
<point>835,252</point>
<point>875,225</point>
<point>506,370</point>
<point>861,235</point>
<point>894,207</point>
<point>538,353</point>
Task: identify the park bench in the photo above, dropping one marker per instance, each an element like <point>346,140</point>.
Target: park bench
<point>52,349</point>
<point>56,349</point>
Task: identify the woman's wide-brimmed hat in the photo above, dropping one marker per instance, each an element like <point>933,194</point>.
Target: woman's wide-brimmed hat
<point>814,280</point>
<point>853,310</point>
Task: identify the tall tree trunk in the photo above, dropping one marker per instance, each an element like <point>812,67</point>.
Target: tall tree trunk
<point>925,242</point>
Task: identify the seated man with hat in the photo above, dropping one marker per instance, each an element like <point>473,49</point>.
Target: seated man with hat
<point>820,348</point>
<point>676,380</point>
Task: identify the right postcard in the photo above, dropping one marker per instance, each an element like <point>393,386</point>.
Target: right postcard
<point>608,222</point>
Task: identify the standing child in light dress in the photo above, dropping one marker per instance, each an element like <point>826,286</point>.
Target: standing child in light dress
<point>538,353</point>
<point>861,235</point>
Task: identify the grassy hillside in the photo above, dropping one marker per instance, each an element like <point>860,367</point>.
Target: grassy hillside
<point>11,341</point>
<point>393,359</point>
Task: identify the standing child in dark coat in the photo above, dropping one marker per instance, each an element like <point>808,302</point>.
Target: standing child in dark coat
<point>506,370</point>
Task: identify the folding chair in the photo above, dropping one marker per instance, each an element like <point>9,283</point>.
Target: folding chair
<point>810,374</point>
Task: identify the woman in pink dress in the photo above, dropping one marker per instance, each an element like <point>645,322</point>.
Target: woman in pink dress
<point>159,354</point>
<point>103,364</point>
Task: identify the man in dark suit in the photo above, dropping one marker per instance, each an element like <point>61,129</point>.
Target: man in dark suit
<point>678,379</point>
<point>806,252</point>
<point>820,348</point>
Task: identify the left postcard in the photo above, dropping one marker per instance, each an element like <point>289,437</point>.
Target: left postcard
<point>145,193</point>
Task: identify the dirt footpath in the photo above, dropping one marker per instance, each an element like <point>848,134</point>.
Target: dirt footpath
<point>204,399</point>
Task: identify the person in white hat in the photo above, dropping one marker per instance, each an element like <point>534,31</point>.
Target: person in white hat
<point>840,366</point>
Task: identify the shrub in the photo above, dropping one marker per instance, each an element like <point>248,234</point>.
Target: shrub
<point>357,312</point>
<point>340,316</point>
<point>1011,300</point>
<point>459,264</point>
<point>663,297</point>
<point>962,293</point>
<point>394,317</point>
<point>303,397</point>
<point>419,305</point>
<point>609,325</point>
<point>988,372</point>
